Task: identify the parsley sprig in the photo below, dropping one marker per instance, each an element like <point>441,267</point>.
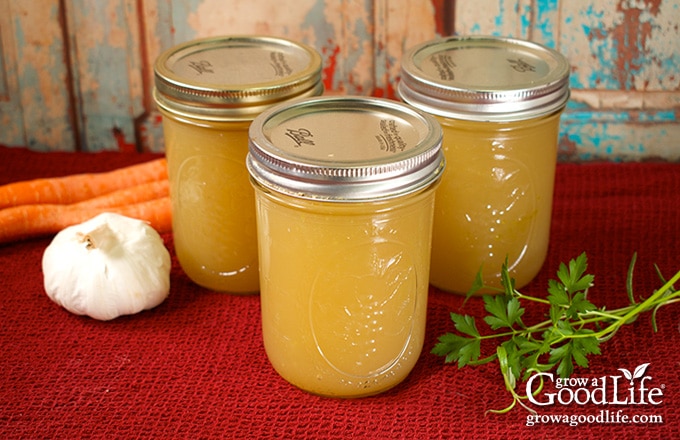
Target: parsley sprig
<point>574,330</point>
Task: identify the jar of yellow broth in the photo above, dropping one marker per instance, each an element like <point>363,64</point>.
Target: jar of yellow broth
<point>499,101</point>
<point>209,91</point>
<point>345,198</point>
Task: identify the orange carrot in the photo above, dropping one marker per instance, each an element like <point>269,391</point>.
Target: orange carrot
<point>77,187</point>
<point>127,196</point>
<point>30,221</point>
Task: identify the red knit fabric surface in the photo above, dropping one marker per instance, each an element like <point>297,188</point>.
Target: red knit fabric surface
<point>195,367</point>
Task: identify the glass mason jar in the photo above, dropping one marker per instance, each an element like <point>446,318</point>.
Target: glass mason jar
<point>209,91</point>
<point>345,198</point>
<point>499,102</point>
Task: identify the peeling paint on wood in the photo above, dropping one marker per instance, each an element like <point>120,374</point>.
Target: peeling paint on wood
<point>340,30</point>
<point>401,24</point>
<point>40,75</point>
<point>620,136</point>
<point>361,42</point>
<point>107,65</point>
<point>79,74</point>
<point>625,57</point>
<point>624,45</point>
<point>11,119</point>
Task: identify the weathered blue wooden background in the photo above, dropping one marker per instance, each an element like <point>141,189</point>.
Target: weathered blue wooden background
<point>77,75</point>
<point>625,57</point>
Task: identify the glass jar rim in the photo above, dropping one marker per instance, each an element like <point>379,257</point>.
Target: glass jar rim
<point>202,78</point>
<point>354,160</point>
<point>484,78</point>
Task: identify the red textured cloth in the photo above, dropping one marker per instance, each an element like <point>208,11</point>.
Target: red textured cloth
<point>195,367</point>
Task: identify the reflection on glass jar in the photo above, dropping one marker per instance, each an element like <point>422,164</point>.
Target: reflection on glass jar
<point>499,102</point>
<point>498,206</point>
<point>209,91</point>
<point>213,204</point>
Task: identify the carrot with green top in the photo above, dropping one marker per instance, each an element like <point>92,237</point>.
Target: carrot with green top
<point>78,187</point>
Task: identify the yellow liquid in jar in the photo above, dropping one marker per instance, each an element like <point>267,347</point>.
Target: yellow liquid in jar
<point>213,203</point>
<point>494,201</point>
<point>344,290</point>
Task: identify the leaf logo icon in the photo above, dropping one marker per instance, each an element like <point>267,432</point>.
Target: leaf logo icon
<point>627,374</point>
<point>637,373</point>
<point>640,370</point>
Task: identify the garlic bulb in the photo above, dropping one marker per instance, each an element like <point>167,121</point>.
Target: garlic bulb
<point>106,267</point>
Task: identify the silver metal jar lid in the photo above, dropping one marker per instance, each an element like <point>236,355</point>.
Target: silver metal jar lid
<point>234,77</point>
<point>484,78</point>
<point>345,149</point>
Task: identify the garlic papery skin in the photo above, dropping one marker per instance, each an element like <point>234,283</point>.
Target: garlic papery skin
<point>108,266</point>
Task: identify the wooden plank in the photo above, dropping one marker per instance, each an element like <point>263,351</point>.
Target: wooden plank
<point>36,110</point>
<point>339,29</point>
<point>625,60</point>
<point>361,42</point>
<point>621,45</point>
<point>620,136</point>
<point>399,25</point>
<point>11,120</point>
<point>86,71</point>
<point>157,34</point>
<point>493,17</point>
<point>107,66</point>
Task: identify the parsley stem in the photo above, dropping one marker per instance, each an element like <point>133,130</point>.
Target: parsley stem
<point>641,307</point>
<point>541,326</point>
<point>619,316</point>
<point>626,314</point>
<point>520,295</point>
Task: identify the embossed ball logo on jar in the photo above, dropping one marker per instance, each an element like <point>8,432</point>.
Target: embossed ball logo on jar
<point>506,207</point>
<point>372,287</point>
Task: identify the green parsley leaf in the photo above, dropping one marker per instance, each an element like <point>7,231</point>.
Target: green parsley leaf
<point>457,348</point>
<point>505,311</point>
<point>465,324</point>
<point>579,305</point>
<point>574,278</point>
<point>558,295</point>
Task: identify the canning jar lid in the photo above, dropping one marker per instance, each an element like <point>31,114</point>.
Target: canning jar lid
<point>345,149</point>
<point>484,78</point>
<point>234,77</point>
